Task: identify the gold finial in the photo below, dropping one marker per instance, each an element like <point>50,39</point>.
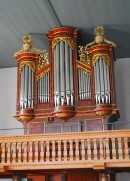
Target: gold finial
<point>27,46</point>
<point>27,42</point>
<point>99,30</point>
<point>100,37</point>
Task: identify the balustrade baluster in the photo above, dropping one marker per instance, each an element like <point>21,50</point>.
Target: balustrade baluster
<point>65,150</point>
<point>113,148</point>
<point>8,145</point>
<point>47,145</point>
<point>62,150</point>
<point>53,150</point>
<point>3,155</point>
<point>30,152</point>
<point>19,152</point>
<point>126,148</point>
<point>41,154</point>
<point>0,152</point>
<point>82,150</point>
<point>120,149</point>
<point>106,148</point>
<point>76,149</point>
<point>71,149</point>
<point>59,150</point>
<point>95,153</point>
<point>89,149</point>
<point>36,151</point>
<point>25,152</point>
<point>101,146</point>
<point>13,150</point>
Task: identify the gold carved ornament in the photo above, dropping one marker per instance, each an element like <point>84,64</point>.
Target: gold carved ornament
<point>42,74</point>
<point>84,55</point>
<point>42,59</point>
<point>104,57</point>
<point>100,37</point>
<point>28,45</point>
<point>84,70</point>
<point>30,64</point>
<point>67,40</point>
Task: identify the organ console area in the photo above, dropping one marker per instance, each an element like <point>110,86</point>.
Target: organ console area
<point>70,84</point>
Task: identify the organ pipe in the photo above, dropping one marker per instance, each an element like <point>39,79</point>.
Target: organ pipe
<point>63,75</point>
<point>102,84</point>
<point>26,92</point>
<point>43,88</point>
<point>84,85</point>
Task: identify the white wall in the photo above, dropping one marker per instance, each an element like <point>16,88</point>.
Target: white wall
<point>8,86</point>
<point>122,82</point>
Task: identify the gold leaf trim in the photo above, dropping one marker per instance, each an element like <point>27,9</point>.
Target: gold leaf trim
<point>84,70</point>
<point>67,40</point>
<point>30,64</point>
<point>42,74</point>
<point>84,55</point>
<point>104,57</point>
<point>43,59</point>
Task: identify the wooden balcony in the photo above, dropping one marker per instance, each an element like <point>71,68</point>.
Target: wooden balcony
<point>96,150</point>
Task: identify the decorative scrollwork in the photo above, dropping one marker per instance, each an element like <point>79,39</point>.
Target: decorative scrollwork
<point>30,64</point>
<point>43,59</point>
<point>104,57</point>
<point>67,40</point>
<point>84,55</point>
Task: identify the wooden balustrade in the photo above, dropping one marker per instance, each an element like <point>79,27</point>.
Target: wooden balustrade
<point>96,150</point>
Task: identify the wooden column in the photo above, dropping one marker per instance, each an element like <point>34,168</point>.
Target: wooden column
<point>16,178</point>
<point>103,177</point>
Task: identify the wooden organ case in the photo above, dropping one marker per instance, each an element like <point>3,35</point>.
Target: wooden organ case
<point>74,94</point>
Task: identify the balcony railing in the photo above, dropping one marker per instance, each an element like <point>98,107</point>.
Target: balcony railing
<point>97,150</point>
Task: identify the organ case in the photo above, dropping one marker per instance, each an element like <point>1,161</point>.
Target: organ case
<point>66,88</point>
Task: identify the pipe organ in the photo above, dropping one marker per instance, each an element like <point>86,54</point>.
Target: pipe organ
<point>66,88</point>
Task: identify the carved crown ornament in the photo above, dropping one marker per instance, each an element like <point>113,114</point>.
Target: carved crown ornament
<point>27,47</point>
<point>84,55</point>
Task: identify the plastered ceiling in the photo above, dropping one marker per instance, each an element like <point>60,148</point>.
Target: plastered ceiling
<point>37,17</point>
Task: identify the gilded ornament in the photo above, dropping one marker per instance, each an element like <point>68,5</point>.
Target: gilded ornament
<point>84,55</point>
<point>100,38</point>
<point>42,59</point>
<point>84,70</point>
<point>27,46</point>
<point>104,57</point>
<point>42,74</point>
<point>67,40</point>
<point>30,64</point>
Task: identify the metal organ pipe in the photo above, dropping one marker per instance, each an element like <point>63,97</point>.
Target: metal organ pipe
<point>84,85</point>
<point>79,76</point>
<point>102,83</point>
<point>67,73</point>
<point>62,72</point>
<point>71,77</point>
<point>48,87</point>
<point>22,90</point>
<point>63,75</point>
<point>55,77</point>
<point>101,79</point>
<point>57,74</point>
<point>43,88</point>
<point>27,86</point>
